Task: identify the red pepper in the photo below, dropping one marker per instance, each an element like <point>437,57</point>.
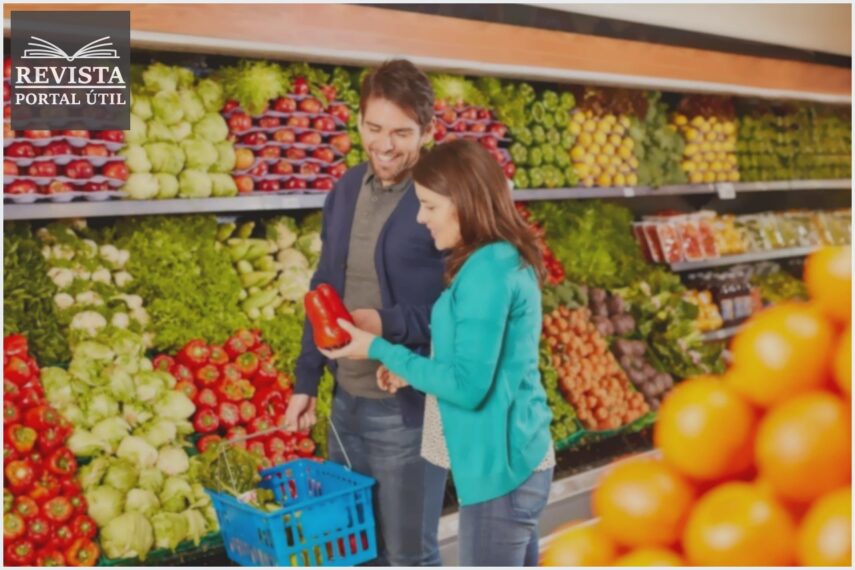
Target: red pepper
<point>8,501</point>
<point>277,458</point>
<point>207,375</point>
<point>70,488</point>
<point>305,447</point>
<point>284,380</point>
<point>266,373</point>
<point>84,527</point>
<point>247,411</point>
<point>234,347</point>
<point>261,423</point>
<point>62,462</point>
<point>20,476</point>
<point>206,421</point>
<point>229,414</point>
<point>38,530</point>
<point>78,503</point>
<point>31,395</point>
<point>63,536</point>
<point>26,507</point>
<point>20,553</point>
<point>230,390</point>
<point>219,357</point>
<point>231,372</point>
<point>182,373</point>
<point>247,337</point>
<point>275,444</point>
<point>58,510</point>
<point>247,390</point>
<point>45,488</point>
<point>290,443</point>
<point>269,401</point>
<point>11,391</point>
<point>22,438</point>
<point>17,370</point>
<point>50,557</point>
<point>189,388</point>
<point>206,398</point>
<point>9,453</point>
<point>82,552</point>
<point>237,432</point>
<point>163,362</point>
<point>37,460</point>
<point>41,417</point>
<point>50,439</point>
<point>14,527</point>
<point>194,354</point>
<point>248,364</point>
<point>15,345</point>
<point>256,447</point>
<point>263,351</point>
<point>207,441</point>
<point>323,309</point>
<point>11,413</point>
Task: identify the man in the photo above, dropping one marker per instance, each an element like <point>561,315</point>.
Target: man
<point>386,267</point>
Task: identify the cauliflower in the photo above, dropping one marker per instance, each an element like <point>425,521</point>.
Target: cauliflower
<point>63,300</point>
<point>140,315</point>
<point>101,275</point>
<point>133,301</point>
<point>120,320</point>
<point>110,253</point>
<point>89,248</point>
<point>122,278</point>
<point>124,256</point>
<point>47,251</point>
<point>89,298</point>
<point>63,252</point>
<point>81,273</point>
<point>61,277</point>
<point>88,321</point>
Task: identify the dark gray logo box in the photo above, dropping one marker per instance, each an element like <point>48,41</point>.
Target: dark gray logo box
<point>71,70</point>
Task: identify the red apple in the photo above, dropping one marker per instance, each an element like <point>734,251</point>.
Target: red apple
<point>254,139</point>
<point>79,169</point>
<point>484,113</point>
<point>112,136</point>
<point>8,132</point>
<point>469,114</point>
<point>439,131</point>
<point>310,105</point>
<point>301,87</point>
<point>324,154</point>
<point>244,158</point>
<point>283,167</point>
<point>259,169</point>
<point>510,169</point>
<point>324,124</point>
<point>96,187</point>
<point>285,105</point>
<point>117,170</point>
<point>230,105</point>
<point>310,169</point>
<point>323,184</point>
<point>295,184</point>
<point>244,183</point>
<point>309,138</point>
<point>94,150</point>
<point>449,116</point>
<point>477,128</point>
<point>42,168</point>
<point>341,142</point>
<point>295,154</point>
<point>76,134</point>
<point>240,122</point>
<point>268,185</point>
<point>7,92</point>
<point>58,187</point>
<point>489,142</point>
<point>498,129</point>
<point>337,170</point>
<point>22,150</point>
<point>460,127</point>
<point>339,111</point>
<point>439,105</point>
<point>21,187</point>
<point>7,68</point>
<point>285,136</point>
<point>298,122</point>
<point>269,122</point>
<point>57,148</point>
<point>42,134</point>
<point>270,152</point>
<point>329,92</point>
<point>10,168</point>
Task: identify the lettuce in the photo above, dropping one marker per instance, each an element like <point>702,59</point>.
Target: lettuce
<point>127,536</point>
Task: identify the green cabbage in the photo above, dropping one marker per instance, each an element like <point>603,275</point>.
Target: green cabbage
<point>137,132</point>
<point>137,451</point>
<point>173,461</point>
<point>127,536</point>
<point>211,93</point>
<point>225,162</point>
<point>91,474</point>
<point>167,107</point>
<point>223,185</point>
<point>141,186</point>
<point>151,479</point>
<point>160,432</point>
<point>176,495</point>
<point>161,132</point>
<point>141,106</point>
<point>167,185</point>
<point>105,504</point>
<point>121,475</point>
<point>174,406</point>
<point>170,529</point>
<point>200,154</point>
<point>181,131</point>
<point>194,184</point>
<point>142,501</point>
<point>191,104</point>
<point>165,157</point>
<point>212,127</point>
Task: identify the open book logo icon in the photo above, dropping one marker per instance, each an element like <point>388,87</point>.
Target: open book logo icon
<point>96,49</point>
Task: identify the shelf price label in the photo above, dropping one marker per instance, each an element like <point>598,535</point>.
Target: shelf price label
<point>726,191</point>
<point>629,192</point>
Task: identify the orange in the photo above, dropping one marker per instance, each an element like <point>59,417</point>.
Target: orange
<point>579,545</point>
<point>781,352</point>
<point>738,524</point>
<point>825,535</point>
<point>650,557</point>
<point>828,276</point>
<point>705,430</point>
<point>803,447</point>
<point>843,361</point>
<point>643,502</point>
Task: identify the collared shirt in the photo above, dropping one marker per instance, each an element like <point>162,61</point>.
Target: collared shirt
<point>361,286</point>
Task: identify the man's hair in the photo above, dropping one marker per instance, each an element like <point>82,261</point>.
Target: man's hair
<point>400,82</point>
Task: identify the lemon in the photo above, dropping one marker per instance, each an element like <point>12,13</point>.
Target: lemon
<point>715,166</point>
<point>602,160</point>
<point>575,128</point>
<point>590,126</point>
<point>585,139</point>
<point>711,136</point>
<point>698,122</point>
<point>624,153</point>
<point>589,159</point>
<point>604,180</point>
<point>582,170</point>
<point>578,117</point>
<point>628,143</point>
<point>709,176</point>
<point>722,177</point>
<point>728,127</point>
<point>609,150</point>
<point>632,179</point>
<point>595,149</point>
<point>587,182</point>
<point>734,176</point>
<point>610,119</point>
<point>680,120</point>
<point>688,166</point>
<point>578,153</point>
<point>696,177</point>
<point>619,179</point>
<point>615,140</point>
<point>633,162</point>
<point>624,121</point>
<point>600,138</point>
<point>690,149</point>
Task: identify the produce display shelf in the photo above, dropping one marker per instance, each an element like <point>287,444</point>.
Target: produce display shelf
<point>51,210</point>
<point>746,258</point>
<point>721,334</point>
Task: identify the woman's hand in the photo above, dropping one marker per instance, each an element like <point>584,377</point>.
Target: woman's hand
<point>389,382</point>
<point>357,348</point>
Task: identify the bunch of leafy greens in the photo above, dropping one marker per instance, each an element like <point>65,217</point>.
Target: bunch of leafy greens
<point>191,288</point>
<point>254,83</point>
<point>658,146</point>
<point>28,293</point>
<point>564,422</point>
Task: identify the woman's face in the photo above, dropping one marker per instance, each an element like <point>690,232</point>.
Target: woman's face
<point>439,214</point>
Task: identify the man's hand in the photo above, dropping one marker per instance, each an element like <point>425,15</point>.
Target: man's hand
<point>368,320</point>
<point>389,382</point>
<point>300,415</point>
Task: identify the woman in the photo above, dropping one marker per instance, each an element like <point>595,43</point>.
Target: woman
<point>483,374</point>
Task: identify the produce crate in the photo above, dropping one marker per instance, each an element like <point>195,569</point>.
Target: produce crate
<point>327,520</point>
<point>181,556</point>
<point>589,436</point>
<point>572,439</point>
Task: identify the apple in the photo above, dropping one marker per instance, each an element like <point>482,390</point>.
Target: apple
<point>310,105</point>
<point>7,92</point>
<point>259,169</point>
<point>489,142</point>
<point>254,139</point>
<point>323,184</point>
<point>439,131</point>
<point>285,105</point>
<point>324,124</point>
<point>270,152</point>
<point>10,168</point>
<point>324,154</point>
<point>22,150</point>
<point>477,128</point>
<point>439,105</point>
<point>269,122</point>
<point>79,169</point>
<point>229,106</point>
<point>285,136</point>
<point>340,112</point>
<point>94,150</point>
<point>58,187</point>
<point>7,68</point>
<point>469,114</point>
<point>295,154</point>
<point>484,114</point>
<point>243,158</point>
<point>117,170</point>
<point>341,142</point>
<point>283,167</point>
<point>310,169</point>
<point>510,169</point>
<point>57,148</point>
<point>310,138</point>
<point>112,136</point>
<point>21,187</point>
<point>244,183</point>
<point>337,170</point>
<point>268,185</point>
<point>295,184</point>
<point>76,134</point>
<point>298,122</point>
<point>8,133</point>
<point>239,122</point>
<point>498,129</point>
<point>449,116</point>
<point>42,134</point>
<point>329,92</point>
<point>7,111</point>
<point>96,187</point>
<point>301,87</point>
<point>42,168</point>
<point>460,127</point>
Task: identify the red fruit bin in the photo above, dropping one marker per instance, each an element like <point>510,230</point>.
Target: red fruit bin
<point>327,518</point>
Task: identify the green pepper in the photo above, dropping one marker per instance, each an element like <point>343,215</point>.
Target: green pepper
<point>521,178</point>
<point>535,158</point>
<point>538,133</point>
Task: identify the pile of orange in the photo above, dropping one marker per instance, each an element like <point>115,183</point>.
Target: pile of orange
<point>755,465</point>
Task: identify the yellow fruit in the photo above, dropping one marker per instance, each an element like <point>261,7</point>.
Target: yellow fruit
<point>619,179</point>
<point>595,149</point>
<point>628,143</point>
<point>711,136</point>
<point>698,122</point>
<point>589,126</point>
<point>624,121</point>
<point>825,535</point>
<point>610,119</point>
<point>731,159</point>
<point>712,120</point>
<point>633,162</point>
<point>828,276</point>
<point>602,160</point>
<point>632,179</point>
<point>734,177</point>
<point>616,161</point>
<point>614,140</point>
<point>624,153</point>
<point>577,153</point>
<point>680,120</point>
<point>575,128</point>
<point>842,367</point>
<point>721,177</point>
<point>582,170</point>
<point>611,170</point>
<point>589,159</point>
<point>690,150</point>
<point>587,182</point>
<point>717,128</point>
<point>705,148</point>
<point>688,166</point>
<point>696,177</point>
<point>619,130</point>
<point>600,138</point>
<point>596,170</point>
<point>730,139</point>
<point>589,114</point>
<point>609,150</point>
<point>728,127</point>
<point>716,147</point>
<point>585,139</point>
<point>693,135</point>
<point>709,177</point>
<point>650,557</point>
<point>715,165</point>
<point>702,165</point>
<point>579,545</point>
<point>578,117</point>
<point>604,180</point>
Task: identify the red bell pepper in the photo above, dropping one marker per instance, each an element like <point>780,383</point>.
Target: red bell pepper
<point>206,421</point>
<point>247,411</point>
<point>206,398</point>
<point>218,357</point>
<point>70,488</point>
<point>22,438</point>
<point>230,390</point>
<point>17,370</point>
<point>26,507</point>
<point>31,395</point>
<point>8,501</point>
<point>275,444</point>
<point>231,372</point>
<point>63,536</point>
<point>266,373</point>
<point>79,504</point>
<point>37,460</point>
<point>229,414</point>
<point>207,441</point>
<point>189,388</point>
<point>194,354</point>
<point>260,423</point>
<point>263,351</point>
<point>237,432</point>
<point>163,362</point>
<point>84,527</point>
<point>9,453</point>
<point>11,391</point>
<point>256,447</point>
<point>58,510</point>
<point>247,337</point>
<point>182,373</point>
<point>11,413</point>
<point>50,439</point>
<point>20,553</point>
<point>20,476</point>
<point>248,364</point>
<point>15,345</point>
<point>284,380</point>
<point>234,347</point>
<point>45,488</point>
<point>305,447</point>
<point>323,309</point>
<point>277,458</point>
<point>38,530</point>
<point>207,376</point>
<point>41,418</point>
<point>269,401</point>
<point>62,462</point>
<point>14,527</point>
<point>50,557</point>
<point>82,552</point>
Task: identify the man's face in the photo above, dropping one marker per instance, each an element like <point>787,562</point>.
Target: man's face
<point>391,138</point>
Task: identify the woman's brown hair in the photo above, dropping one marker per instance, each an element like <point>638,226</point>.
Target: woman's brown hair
<point>468,174</point>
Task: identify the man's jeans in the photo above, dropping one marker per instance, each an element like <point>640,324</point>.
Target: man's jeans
<point>380,446</point>
<point>499,532</point>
